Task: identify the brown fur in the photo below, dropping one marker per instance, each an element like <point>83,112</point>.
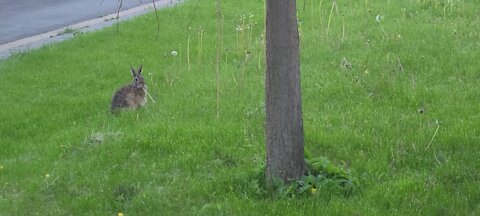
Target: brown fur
<point>130,96</point>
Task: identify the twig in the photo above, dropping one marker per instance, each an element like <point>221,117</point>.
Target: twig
<point>149,95</point>
<point>383,30</point>
<point>188,52</point>
<point>334,5</point>
<point>219,50</point>
<point>434,134</point>
<point>200,47</point>
<point>192,15</point>
<point>120,3</point>
<point>156,16</point>
<point>414,83</point>
<point>435,156</point>
<point>247,56</point>
<point>400,64</point>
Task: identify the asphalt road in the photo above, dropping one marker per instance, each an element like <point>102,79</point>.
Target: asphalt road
<point>24,18</point>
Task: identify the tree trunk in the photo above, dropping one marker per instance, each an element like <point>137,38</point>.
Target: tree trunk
<point>284,125</point>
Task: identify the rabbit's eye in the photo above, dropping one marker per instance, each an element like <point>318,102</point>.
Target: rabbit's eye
<point>136,79</point>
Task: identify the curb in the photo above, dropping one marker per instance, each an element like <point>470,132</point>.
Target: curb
<point>58,35</point>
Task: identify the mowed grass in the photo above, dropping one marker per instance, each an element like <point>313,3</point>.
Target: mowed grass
<point>396,102</point>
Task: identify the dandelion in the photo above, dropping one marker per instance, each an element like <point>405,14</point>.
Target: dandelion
<point>174,53</point>
<point>120,214</point>
<point>47,175</point>
<point>313,190</point>
<point>378,17</point>
<point>1,167</point>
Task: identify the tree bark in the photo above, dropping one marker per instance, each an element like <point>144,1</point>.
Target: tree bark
<point>284,124</point>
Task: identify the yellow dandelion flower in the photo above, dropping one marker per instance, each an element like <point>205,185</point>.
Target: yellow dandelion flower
<point>47,175</point>
<point>313,190</point>
<point>120,214</point>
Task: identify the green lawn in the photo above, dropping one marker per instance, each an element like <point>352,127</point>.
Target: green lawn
<point>375,95</point>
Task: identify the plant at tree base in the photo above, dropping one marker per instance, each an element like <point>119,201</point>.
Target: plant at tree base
<point>322,176</point>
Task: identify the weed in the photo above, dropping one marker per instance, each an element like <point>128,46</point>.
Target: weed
<point>322,178</point>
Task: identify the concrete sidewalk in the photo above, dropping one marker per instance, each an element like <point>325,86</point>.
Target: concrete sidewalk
<point>66,32</point>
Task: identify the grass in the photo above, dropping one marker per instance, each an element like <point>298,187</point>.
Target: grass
<point>63,153</point>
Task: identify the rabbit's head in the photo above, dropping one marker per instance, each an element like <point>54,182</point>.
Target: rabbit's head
<point>138,81</point>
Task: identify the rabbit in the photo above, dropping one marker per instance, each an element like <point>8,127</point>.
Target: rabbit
<point>130,96</point>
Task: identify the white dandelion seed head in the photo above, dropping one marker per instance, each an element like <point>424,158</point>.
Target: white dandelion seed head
<point>378,17</point>
<point>174,53</point>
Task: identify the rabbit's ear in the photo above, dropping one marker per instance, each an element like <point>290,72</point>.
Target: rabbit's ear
<point>132,70</point>
<point>140,70</point>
